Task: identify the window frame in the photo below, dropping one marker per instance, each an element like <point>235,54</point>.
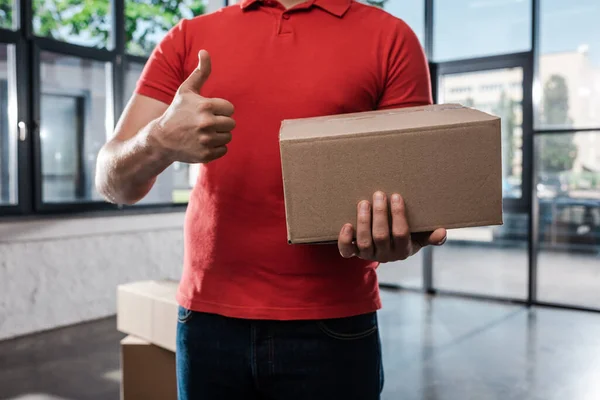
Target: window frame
<point>516,60</point>
<point>28,48</point>
<point>16,38</point>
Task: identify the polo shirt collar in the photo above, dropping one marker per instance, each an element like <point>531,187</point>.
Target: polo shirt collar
<point>335,7</point>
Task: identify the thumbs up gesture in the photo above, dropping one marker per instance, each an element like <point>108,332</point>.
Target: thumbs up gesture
<point>195,129</point>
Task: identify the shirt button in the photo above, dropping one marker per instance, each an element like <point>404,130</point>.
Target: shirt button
<point>286,16</point>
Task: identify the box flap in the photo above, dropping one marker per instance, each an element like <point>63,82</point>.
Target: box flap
<point>381,121</point>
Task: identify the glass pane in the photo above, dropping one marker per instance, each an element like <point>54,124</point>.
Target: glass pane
<point>175,183</point>
<point>407,273</point>
<point>568,185</point>
<point>478,28</point>
<point>411,12</point>
<point>8,15</point>
<point>568,94</point>
<point>489,260</point>
<point>73,126</point>
<point>147,21</point>
<point>8,124</point>
<point>86,23</point>
<point>499,92</point>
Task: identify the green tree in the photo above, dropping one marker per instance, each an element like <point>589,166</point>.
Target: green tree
<point>557,152</point>
<point>145,20</point>
<point>5,13</point>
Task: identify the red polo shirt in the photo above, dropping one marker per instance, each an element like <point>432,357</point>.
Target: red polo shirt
<point>319,58</point>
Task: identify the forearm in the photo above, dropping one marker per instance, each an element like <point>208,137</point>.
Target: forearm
<point>126,169</point>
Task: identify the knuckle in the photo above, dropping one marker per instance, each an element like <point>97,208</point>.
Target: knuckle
<point>381,237</point>
<point>379,208</point>
<point>401,233</point>
<point>205,154</point>
<point>364,244</point>
<point>205,121</point>
<point>205,106</point>
<point>364,218</point>
<point>205,140</point>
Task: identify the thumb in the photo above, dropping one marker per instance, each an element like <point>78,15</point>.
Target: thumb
<point>199,76</point>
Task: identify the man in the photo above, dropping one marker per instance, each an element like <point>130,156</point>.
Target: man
<point>261,319</point>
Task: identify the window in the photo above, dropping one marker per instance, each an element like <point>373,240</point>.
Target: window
<point>147,21</point>
<point>74,62</point>
<point>503,99</point>
<point>569,65</point>
<point>73,126</point>
<point>490,261</point>
<point>411,12</point>
<point>8,139</point>
<point>478,28</point>
<point>86,23</point>
<point>406,274</point>
<point>7,14</point>
<point>458,265</point>
<point>176,182</point>
<point>568,188</point>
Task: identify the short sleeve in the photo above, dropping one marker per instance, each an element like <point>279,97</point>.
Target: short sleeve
<point>164,71</point>
<point>407,82</point>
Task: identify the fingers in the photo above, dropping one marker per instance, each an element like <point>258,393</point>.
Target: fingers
<point>364,240</point>
<point>400,229</point>
<point>374,238</point>
<point>418,241</point>
<point>223,124</point>
<point>221,107</point>
<point>381,225</point>
<point>346,244</point>
<point>437,237</point>
<point>200,75</point>
<point>217,139</point>
<point>214,153</point>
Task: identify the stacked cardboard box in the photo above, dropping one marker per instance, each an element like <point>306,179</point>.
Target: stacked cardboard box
<point>147,312</point>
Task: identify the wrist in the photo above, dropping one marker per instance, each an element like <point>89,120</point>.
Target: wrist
<point>155,145</point>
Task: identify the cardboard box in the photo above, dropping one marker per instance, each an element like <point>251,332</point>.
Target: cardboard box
<point>147,371</point>
<point>445,160</point>
<point>148,310</point>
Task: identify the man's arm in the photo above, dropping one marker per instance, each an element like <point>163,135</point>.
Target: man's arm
<point>151,135</point>
<point>408,82</point>
<point>129,163</point>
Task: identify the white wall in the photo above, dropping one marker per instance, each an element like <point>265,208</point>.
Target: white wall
<point>65,270</point>
<point>56,272</point>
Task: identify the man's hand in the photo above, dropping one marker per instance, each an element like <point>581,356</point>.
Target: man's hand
<point>378,238</point>
<point>195,129</point>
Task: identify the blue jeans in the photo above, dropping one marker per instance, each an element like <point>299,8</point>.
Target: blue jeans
<point>227,358</point>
